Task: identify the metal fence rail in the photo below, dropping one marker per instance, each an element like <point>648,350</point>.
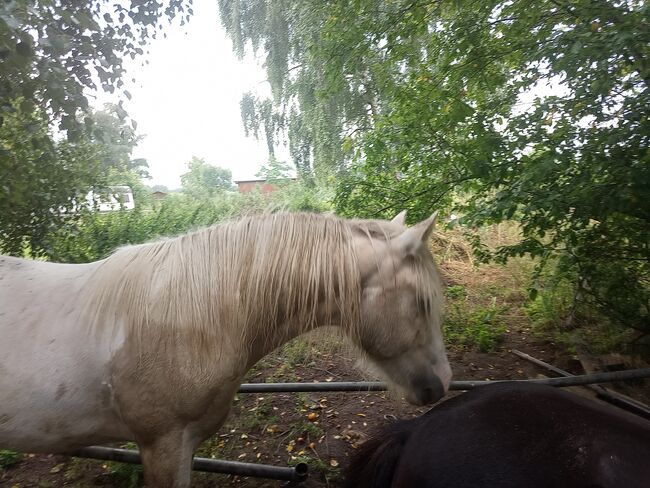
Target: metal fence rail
<point>299,472</point>
<point>613,397</point>
<point>577,380</point>
<point>296,473</point>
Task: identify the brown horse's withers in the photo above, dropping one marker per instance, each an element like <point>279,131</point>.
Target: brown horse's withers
<point>509,435</point>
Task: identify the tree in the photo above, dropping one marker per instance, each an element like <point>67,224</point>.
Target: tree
<point>275,171</point>
<point>160,188</point>
<point>53,52</point>
<point>40,178</point>
<point>51,55</point>
<point>117,140</point>
<point>534,111</point>
<point>320,98</point>
<point>204,180</point>
<point>46,178</point>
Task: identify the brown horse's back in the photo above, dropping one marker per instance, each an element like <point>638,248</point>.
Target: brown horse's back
<point>510,435</point>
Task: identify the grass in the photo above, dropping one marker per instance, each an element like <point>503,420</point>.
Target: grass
<point>125,475</point>
<point>296,352</point>
<point>259,416</point>
<point>474,326</point>
<point>485,301</point>
<point>9,458</point>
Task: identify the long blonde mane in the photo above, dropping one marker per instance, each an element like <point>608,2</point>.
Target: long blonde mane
<point>240,279</point>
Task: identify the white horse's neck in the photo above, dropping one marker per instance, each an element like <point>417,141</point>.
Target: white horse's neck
<point>368,255</point>
<point>327,316</point>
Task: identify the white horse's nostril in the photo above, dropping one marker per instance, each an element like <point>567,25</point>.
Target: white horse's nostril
<point>428,389</point>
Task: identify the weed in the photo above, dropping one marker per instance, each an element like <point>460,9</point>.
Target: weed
<point>260,415</point>
<point>285,372</point>
<point>296,352</point>
<point>550,306</point>
<point>123,474</point>
<point>478,326</point>
<point>9,458</point>
<point>456,292</point>
<point>306,429</point>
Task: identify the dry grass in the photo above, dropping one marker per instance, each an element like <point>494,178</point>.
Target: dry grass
<point>453,252</point>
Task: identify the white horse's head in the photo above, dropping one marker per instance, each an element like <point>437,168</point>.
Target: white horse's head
<point>402,308</point>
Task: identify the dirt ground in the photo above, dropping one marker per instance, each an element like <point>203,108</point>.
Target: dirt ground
<point>281,429</point>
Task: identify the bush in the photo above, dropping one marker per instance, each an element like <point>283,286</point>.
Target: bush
<point>91,235</point>
<point>472,326</point>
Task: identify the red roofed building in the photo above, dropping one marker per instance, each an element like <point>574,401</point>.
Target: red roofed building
<point>246,186</point>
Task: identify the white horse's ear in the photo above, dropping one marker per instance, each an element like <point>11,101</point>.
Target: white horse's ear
<point>400,218</point>
<point>414,237</point>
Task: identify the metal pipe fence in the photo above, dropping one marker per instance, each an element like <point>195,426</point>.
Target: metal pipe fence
<point>296,473</point>
<point>577,380</point>
<point>299,472</point>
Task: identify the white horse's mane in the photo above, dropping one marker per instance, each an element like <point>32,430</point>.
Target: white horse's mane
<point>235,277</point>
<point>236,280</point>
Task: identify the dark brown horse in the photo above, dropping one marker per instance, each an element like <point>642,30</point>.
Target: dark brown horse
<point>509,435</point>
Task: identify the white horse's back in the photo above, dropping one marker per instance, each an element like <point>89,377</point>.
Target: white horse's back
<point>54,386</point>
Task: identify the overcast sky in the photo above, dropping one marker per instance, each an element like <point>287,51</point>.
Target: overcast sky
<point>186,101</point>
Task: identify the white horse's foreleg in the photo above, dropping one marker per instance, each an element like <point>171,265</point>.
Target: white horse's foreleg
<point>167,460</point>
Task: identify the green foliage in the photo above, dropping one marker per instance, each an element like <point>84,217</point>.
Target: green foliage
<point>39,178</point>
<point>260,415</point>
<point>552,305</point>
<point>94,235</point>
<point>302,197</point>
<point>51,56</point>
<point>537,112</point>
<point>9,458</point>
<point>204,180</point>
<point>52,53</point>
<point>45,179</point>
<point>296,352</point>
<point>116,141</point>
<point>276,172</point>
<point>131,178</point>
<point>469,325</point>
<point>456,292</point>
<point>306,429</point>
<point>311,98</point>
<point>89,235</point>
<point>161,188</point>
<point>563,312</point>
<point>125,475</point>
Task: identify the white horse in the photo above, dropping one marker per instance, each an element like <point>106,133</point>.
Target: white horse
<point>151,344</point>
